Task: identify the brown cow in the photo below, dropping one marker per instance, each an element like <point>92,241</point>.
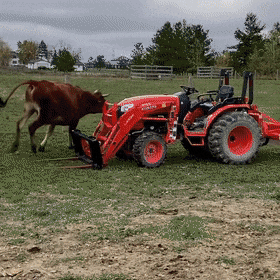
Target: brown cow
<point>55,104</point>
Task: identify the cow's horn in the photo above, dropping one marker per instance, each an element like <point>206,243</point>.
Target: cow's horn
<point>97,91</point>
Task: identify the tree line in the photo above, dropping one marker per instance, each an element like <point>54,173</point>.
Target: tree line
<point>185,47</point>
<point>62,59</point>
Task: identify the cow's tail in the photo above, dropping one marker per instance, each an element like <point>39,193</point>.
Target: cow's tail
<point>4,103</point>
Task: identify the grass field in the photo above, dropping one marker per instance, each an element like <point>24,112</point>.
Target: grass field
<point>183,219</point>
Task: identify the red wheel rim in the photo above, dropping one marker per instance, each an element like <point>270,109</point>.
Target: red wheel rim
<point>153,151</point>
<point>86,147</point>
<point>240,140</point>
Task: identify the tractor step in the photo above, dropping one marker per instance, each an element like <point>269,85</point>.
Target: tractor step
<point>95,157</point>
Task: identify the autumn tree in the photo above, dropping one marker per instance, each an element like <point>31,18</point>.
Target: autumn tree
<point>27,51</point>
<point>5,53</point>
<point>224,60</point>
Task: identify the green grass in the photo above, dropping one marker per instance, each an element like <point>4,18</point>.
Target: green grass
<point>184,228</point>
<point>36,190</point>
<point>226,260</point>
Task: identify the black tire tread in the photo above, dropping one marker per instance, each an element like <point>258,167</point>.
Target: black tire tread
<point>139,146</point>
<point>216,134</point>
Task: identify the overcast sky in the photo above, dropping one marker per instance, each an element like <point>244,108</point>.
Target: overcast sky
<point>112,28</point>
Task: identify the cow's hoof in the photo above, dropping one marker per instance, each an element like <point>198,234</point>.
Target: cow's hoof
<point>33,148</point>
<point>41,149</point>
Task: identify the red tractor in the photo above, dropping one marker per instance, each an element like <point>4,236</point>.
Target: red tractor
<point>231,128</point>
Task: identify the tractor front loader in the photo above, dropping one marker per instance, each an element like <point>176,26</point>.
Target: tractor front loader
<point>141,127</point>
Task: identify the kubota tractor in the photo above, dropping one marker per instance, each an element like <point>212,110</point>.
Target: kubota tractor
<point>230,127</point>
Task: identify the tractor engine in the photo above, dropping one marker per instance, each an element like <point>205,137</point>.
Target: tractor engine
<point>156,113</point>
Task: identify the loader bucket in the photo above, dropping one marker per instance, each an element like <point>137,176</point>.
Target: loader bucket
<point>93,154</point>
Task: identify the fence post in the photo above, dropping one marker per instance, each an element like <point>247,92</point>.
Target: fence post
<point>190,80</point>
<point>67,78</point>
<point>146,72</point>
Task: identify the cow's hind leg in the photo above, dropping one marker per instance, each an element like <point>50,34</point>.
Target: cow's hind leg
<point>28,112</point>
<point>32,129</point>
<point>48,135</point>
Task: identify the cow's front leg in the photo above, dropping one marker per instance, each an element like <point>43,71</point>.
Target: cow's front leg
<point>71,144</point>
<point>48,135</point>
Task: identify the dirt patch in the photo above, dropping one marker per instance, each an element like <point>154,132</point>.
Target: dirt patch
<point>245,245</point>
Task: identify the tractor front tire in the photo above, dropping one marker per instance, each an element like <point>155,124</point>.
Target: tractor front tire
<point>149,149</point>
<point>235,138</point>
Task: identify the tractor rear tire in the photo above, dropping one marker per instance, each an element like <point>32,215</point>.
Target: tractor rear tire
<point>149,149</point>
<point>235,138</point>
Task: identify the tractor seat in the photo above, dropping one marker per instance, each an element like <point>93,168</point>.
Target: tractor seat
<point>224,96</point>
<point>225,91</point>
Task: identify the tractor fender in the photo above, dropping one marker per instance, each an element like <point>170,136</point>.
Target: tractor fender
<point>218,113</point>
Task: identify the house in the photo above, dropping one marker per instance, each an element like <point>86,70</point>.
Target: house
<point>15,59</point>
<point>79,66</point>
<point>114,63</point>
<point>121,62</point>
<point>35,64</point>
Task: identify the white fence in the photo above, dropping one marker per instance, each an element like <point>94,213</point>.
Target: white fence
<point>151,72</point>
<point>212,72</point>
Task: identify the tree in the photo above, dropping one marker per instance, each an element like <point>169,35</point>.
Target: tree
<point>199,46</point>
<point>163,41</point>
<point>249,40</point>
<point>65,61</point>
<point>123,62</point>
<point>27,51</point>
<point>65,46</point>
<point>5,53</point>
<point>19,43</point>
<point>100,62</point>
<point>138,54</point>
<point>182,46</point>
<point>266,61</point>
<point>43,50</point>
<point>276,27</point>
<point>224,60</point>
<point>90,63</point>
<point>54,58</point>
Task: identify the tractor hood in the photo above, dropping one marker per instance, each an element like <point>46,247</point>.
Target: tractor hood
<point>148,102</point>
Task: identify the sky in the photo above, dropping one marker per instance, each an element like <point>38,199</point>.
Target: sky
<point>112,28</point>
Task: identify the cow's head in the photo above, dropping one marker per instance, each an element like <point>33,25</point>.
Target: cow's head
<point>100,100</point>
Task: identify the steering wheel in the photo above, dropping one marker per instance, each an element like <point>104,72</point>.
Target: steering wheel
<point>189,90</point>
<point>209,93</point>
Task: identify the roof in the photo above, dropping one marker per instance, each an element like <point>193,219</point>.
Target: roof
<point>79,63</point>
<point>38,60</point>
